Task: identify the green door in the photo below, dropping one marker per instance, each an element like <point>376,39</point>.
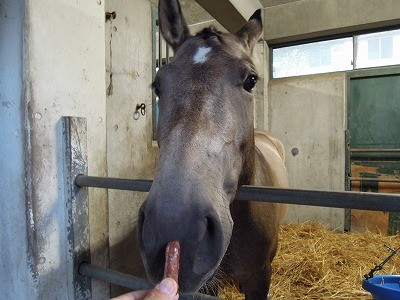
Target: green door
<point>374,112</point>
<point>374,144</point>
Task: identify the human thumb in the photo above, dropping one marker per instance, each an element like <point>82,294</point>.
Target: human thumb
<point>165,290</point>
<point>168,286</point>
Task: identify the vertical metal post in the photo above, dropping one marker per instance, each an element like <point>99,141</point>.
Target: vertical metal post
<point>154,32</point>
<point>76,205</point>
<point>160,48</point>
<point>347,211</point>
<point>394,223</point>
<point>167,53</point>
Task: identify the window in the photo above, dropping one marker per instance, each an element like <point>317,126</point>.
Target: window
<point>377,49</point>
<point>312,58</point>
<point>386,47</point>
<point>367,50</point>
<point>380,48</point>
<point>373,48</point>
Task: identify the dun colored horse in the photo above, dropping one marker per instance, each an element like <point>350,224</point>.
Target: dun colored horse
<point>208,148</point>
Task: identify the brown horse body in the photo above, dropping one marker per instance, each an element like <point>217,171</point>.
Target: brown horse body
<point>255,235</point>
<point>208,148</point>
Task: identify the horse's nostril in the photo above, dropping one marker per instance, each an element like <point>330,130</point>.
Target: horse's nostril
<point>210,226</point>
<point>141,218</point>
<point>145,232</point>
<point>208,253</point>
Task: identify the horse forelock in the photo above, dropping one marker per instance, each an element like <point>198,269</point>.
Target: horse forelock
<point>209,32</point>
<point>219,42</point>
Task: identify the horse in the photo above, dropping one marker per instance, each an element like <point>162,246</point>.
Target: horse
<point>208,148</point>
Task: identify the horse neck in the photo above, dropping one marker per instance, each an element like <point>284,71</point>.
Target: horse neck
<point>248,170</point>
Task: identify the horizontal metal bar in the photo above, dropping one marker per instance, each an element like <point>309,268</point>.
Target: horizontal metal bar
<point>374,150</point>
<point>375,156</point>
<point>374,179</point>
<point>113,183</point>
<point>355,200</point>
<point>129,281</point>
<point>114,277</point>
<point>352,200</point>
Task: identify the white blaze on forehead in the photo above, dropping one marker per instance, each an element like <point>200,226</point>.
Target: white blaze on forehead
<point>201,55</point>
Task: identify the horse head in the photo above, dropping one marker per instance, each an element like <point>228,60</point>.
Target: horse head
<point>206,141</point>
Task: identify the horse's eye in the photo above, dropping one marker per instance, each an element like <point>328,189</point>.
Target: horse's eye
<point>250,82</point>
<point>156,90</point>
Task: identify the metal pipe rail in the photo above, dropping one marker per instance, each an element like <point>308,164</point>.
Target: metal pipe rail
<point>129,281</point>
<point>113,183</point>
<point>352,200</point>
<point>77,208</point>
<point>375,154</point>
<point>381,150</point>
<point>377,180</point>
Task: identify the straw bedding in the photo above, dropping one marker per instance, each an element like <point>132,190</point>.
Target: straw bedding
<point>315,263</point>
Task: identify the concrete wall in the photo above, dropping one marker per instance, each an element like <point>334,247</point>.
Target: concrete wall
<point>307,114</point>
<point>131,153</point>
<point>63,74</point>
<point>260,92</point>
<point>61,63</point>
<point>304,19</point>
<point>16,280</point>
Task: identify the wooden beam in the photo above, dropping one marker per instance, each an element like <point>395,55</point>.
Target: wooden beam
<point>231,14</point>
<point>246,7</point>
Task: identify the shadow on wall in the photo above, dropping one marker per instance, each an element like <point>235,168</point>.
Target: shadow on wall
<point>127,261</point>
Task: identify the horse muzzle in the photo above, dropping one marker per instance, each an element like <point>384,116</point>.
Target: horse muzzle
<point>202,231</point>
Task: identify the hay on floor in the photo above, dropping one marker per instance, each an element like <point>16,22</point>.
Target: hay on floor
<point>315,263</point>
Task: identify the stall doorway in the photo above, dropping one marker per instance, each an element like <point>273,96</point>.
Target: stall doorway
<point>373,154</point>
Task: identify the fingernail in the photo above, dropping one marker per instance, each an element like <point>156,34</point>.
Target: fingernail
<point>167,286</point>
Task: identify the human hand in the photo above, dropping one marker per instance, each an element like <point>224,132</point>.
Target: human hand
<point>167,289</point>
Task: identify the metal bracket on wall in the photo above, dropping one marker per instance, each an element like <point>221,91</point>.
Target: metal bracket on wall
<point>76,205</point>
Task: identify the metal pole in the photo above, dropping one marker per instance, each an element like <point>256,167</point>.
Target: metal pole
<point>129,281</point>
<point>113,183</point>
<point>377,180</point>
<point>375,150</point>
<point>354,200</point>
<point>375,154</point>
<point>114,277</point>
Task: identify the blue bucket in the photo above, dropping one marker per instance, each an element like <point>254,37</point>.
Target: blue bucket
<point>383,287</point>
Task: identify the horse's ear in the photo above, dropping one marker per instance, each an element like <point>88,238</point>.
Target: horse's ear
<point>172,23</point>
<point>251,31</point>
